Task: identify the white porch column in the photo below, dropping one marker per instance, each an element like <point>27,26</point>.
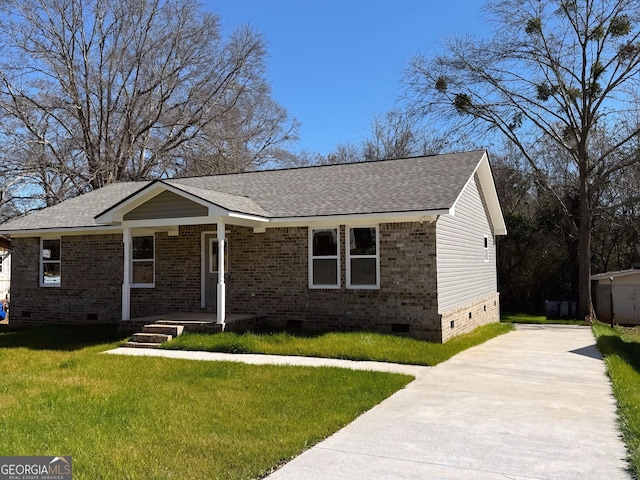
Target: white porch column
<point>221,308</point>
<point>126,281</point>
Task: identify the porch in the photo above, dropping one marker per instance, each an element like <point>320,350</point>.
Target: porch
<point>195,322</point>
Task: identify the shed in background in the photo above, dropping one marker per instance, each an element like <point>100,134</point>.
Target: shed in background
<point>617,293</point>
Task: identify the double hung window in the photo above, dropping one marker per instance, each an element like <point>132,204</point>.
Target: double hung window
<point>142,261</point>
<point>50,262</point>
<point>363,260</point>
<point>324,258</point>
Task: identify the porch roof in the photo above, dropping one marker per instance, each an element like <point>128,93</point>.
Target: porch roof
<point>418,184</point>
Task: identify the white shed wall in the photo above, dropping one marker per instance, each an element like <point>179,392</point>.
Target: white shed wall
<point>463,274</point>
<point>626,298</point>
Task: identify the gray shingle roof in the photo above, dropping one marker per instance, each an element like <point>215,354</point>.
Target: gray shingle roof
<point>402,185</point>
<point>75,212</point>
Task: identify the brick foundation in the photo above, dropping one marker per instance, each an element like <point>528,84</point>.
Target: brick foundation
<point>465,319</point>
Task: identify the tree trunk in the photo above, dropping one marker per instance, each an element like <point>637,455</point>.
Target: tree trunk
<point>585,307</point>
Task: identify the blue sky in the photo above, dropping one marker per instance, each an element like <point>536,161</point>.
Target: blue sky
<point>334,64</point>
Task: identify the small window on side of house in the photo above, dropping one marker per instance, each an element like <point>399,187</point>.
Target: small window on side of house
<point>363,258</point>
<point>324,258</point>
<point>143,261</point>
<point>50,262</point>
<point>486,248</point>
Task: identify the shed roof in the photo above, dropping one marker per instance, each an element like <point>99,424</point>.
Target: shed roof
<point>616,274</point>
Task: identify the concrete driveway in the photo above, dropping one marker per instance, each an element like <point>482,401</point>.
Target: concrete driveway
<point>533,404</point>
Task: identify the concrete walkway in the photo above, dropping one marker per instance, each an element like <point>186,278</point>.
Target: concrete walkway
<point>257,359</point>
<point>532,404</point>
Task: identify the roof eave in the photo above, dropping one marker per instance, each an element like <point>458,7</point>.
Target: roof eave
<point>483,170</point>
<point>57,231</point>
<point>358,218</point>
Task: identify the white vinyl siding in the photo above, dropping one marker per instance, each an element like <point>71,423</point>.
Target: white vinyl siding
<point>466,268</point>
<point>167,205</point>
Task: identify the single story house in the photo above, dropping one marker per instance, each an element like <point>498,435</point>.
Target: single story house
<point>404,245</point>
<point>617,294</point>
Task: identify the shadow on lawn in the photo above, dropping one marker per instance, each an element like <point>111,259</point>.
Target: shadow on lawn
<point>57,337</point>
<point>614,345</point>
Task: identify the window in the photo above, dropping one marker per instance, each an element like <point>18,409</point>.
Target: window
<point>324,252</point>
<point>50,262</point>
<point>486,248</point>
<point>142,261</point>
<point>363,261</point>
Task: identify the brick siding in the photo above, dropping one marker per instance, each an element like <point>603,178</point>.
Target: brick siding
<point>465,319</point>
<point>275,281</point>
<point>268,275</point>
<point>91,282</point>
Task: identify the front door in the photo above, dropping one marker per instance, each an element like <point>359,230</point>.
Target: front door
<point>211,268</point>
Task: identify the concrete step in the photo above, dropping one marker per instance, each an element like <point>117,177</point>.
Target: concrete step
<point>140,345</point>
<point>150,338</point>
<point>173,330</point>
<point>194,326</point>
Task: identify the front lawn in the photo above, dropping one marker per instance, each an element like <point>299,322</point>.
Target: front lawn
<point>350,346</point>
<point>621,350</point>
<point>154,418</point>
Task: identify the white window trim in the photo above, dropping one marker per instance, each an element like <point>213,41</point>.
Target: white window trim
<point>42,262</point>
<point>325,257</point>
<point>376,256</point>
<point>144,285</point>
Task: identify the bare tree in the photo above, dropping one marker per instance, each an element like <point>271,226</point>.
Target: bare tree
<point>397,135</point>
<point>97,91</point>
<point>556,69</point>
<point>392,135</point>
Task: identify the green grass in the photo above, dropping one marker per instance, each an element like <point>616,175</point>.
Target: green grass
<point>153,418</point>
<point>351,346</point>
<point>536,319</point>
<point>621,350</point>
